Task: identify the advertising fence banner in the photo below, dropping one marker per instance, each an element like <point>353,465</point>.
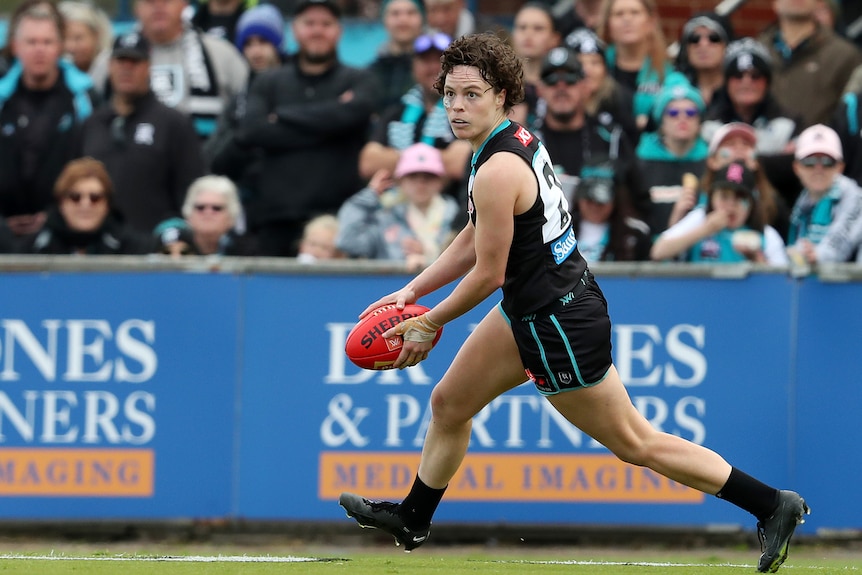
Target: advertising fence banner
<point>213,395</point>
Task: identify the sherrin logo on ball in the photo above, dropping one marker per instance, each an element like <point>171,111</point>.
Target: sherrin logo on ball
<point>367,348</point>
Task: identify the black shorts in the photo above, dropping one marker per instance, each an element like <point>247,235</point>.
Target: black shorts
<point>567,344</point>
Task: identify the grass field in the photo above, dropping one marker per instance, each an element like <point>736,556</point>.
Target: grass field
<point>443,560</point>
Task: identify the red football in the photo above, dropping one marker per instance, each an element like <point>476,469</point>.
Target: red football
<point>367,348</point>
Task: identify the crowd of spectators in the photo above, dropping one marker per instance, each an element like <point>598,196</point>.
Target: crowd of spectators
<point>197,133</point>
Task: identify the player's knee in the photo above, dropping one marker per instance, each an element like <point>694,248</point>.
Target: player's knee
<point>446,410</point>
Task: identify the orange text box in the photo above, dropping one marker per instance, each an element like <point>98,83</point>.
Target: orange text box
<point>77,472</point>
<point>505,477</point>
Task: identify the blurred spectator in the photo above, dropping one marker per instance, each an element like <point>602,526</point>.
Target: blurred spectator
<point>195,73</point>
<point>746,98</point>
<point>220,17</point>
<point>87,32</point>
<point>260,37</point>
<point>828,14</point>
<point>318,240</point>
<point>211,212</point>
<point>605,222</point>
<point>825,224</point>
<point>576,14</point>
<point>150,150</point>
<point>811,63</point>
<point>848,125</point>
<point>674,150</point>
<point>43,100</point>
<point>411,222</point>
<point>572,136</point>
<point>82,221</point>
<point>450,17</point>
<point>403,20</point>
<point>735,142</point>
<point>729,229</point>
<point>702,47</point>
<point>636,51</point>
<point>418,117</point>
<point>310,117</point>
<point>7,53</point>
<point>606,95</point>
<point>533,35</point>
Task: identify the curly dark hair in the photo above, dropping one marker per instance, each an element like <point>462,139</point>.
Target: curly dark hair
<point>495,59</point>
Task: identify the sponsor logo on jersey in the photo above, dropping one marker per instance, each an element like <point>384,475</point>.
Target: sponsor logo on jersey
<point>524,136</point>
<point>564,246</point>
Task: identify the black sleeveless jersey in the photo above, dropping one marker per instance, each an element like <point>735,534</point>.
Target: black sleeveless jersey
<point>544,263</point>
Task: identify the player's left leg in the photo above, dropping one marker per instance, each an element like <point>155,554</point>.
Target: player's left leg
<point>606,413</point>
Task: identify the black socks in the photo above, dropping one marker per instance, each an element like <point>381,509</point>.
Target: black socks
<point>419,506</point>
<point>750,494</point>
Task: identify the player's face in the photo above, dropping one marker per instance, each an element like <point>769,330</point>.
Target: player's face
<point>473,107</point>
<point>37,46</point>
<point>403,21</point>
<point>533,33</point>
<point>317,32</point>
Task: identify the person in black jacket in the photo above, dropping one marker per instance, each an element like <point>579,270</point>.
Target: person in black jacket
<point>82,221</point>
<point>43,101</point>
<point>151,151</point>
<point>311,118</point>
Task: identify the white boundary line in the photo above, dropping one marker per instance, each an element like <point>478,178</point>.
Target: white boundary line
<point>291,559</point>
<point>173,558</point>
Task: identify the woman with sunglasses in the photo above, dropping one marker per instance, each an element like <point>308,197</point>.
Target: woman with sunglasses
<point>675,149</point>
<point>82,220</point>
<point>746,97</point>
<point>212,212</point>
<point>825,224</point>
<point>702,45</point>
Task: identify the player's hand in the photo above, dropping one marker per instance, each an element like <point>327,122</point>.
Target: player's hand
<point>419,329</point>
<point>418,334</point>
<point>400,298</point>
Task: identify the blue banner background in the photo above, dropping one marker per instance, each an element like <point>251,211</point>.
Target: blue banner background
<point>252,386</point>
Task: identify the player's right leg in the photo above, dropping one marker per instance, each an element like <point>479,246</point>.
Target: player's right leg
<point>486,366</point>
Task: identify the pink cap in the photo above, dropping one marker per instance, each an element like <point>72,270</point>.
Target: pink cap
<point>420,159</point>
<point>819,139</point>
<point>732,129</point>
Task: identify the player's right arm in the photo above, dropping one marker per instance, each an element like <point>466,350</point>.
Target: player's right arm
<point>455,261</point>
